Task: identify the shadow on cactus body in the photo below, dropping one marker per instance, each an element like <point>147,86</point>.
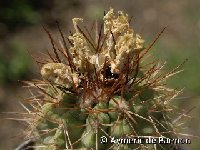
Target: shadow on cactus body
<point>95,87</point>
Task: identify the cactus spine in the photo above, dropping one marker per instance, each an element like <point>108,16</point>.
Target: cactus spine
<point>100,88</point>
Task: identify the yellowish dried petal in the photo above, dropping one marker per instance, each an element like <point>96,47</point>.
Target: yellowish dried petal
<point>115,24</point>
<point>121,41</point>
<point>58,73</point>
<point>108,23</point>
<point>125,42</point>
<point>139,42</point>
<point>75,22</point>
<point>81,50</point>
<point>120,24</point>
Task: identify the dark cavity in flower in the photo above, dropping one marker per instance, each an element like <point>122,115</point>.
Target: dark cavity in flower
<point>109,74</point>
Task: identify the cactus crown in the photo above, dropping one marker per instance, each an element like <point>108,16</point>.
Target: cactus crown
<point>100,88</point>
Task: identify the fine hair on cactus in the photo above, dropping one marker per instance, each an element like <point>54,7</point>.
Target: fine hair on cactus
<point>96,86</point>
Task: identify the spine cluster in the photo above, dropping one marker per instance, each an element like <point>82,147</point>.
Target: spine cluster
<point>100,86</point>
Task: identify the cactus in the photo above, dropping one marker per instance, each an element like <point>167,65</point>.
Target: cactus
<point>100,88</point>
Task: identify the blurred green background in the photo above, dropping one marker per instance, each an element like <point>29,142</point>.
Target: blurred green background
<point>21,31</point>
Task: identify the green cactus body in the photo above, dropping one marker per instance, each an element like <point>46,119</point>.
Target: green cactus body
<point>102,90</point>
